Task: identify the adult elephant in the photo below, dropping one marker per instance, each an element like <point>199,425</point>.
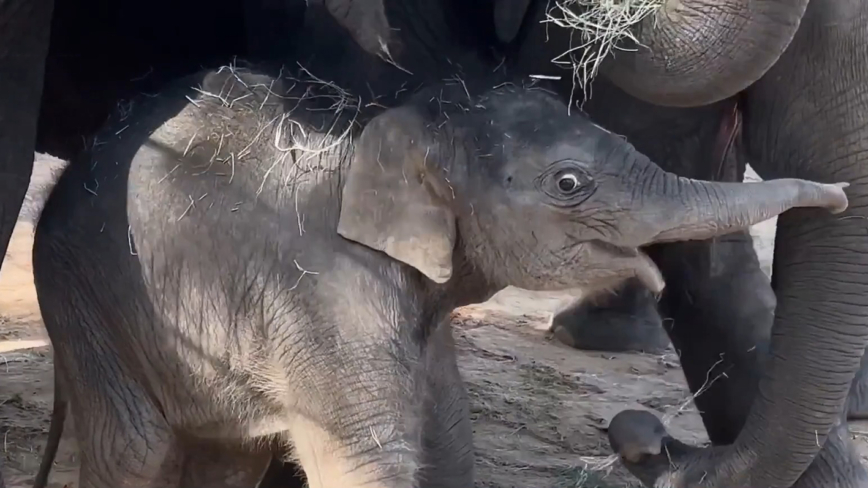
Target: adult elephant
<point>66,64</point>
<point>782,85</point>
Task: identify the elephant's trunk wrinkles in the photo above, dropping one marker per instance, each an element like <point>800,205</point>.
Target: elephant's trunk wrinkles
<point>698,52</point>
<point>700,209</point>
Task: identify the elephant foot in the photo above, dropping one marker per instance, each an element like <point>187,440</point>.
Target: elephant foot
<point>657,459</point>
<point>625,321</point>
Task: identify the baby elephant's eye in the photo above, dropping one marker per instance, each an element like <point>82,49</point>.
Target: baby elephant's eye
<point>568,182</point>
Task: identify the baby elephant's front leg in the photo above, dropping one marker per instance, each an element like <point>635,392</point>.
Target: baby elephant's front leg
<point>361,415</point>
<point>447,437</point>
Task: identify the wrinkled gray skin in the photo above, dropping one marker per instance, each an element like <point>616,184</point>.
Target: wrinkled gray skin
<point>54,97</point>
<point>818,137</point>
<point>244,263</point>
<point>646,449</point>
<point>779,84</point>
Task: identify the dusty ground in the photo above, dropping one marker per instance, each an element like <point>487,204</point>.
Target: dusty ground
<point>538,406</point>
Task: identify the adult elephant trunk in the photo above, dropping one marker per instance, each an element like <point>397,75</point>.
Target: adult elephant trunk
<point>698,52</point>
<point>24,35</point>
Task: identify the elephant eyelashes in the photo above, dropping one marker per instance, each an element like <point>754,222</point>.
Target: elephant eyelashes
<point>567,183</point>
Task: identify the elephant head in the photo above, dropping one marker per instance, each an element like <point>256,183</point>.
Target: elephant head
<point>508,186</point>
<point>690,52</point>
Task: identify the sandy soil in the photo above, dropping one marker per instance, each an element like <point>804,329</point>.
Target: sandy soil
<point>538,407</point>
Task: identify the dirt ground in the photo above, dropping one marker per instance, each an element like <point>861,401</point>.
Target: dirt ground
<point>538,407</point>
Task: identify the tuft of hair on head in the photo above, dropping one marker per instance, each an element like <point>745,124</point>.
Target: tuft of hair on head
<point>601,26</point>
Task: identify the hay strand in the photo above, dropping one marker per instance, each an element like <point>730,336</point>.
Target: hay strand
<point>600,26</point>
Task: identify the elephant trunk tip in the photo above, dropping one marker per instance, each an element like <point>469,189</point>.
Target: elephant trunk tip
<point>831,197</point>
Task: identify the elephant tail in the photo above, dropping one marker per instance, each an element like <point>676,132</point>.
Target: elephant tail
<point>55,431</point>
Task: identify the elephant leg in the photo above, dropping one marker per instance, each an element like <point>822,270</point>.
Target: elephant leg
<point>718,304</point>
<point>123,438</point>
<point>24,37</point>
<point>376,446</point>
<point>626,320</point>
<point>123,435</point>
<point>327,460</point>
<point>447,433</point>
<point>719,307</point>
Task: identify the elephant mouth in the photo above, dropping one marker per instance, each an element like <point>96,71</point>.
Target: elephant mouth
<point>636,261</point>
<point>648,273</point>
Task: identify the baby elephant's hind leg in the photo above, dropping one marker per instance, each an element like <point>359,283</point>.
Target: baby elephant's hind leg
<point>124,439</point>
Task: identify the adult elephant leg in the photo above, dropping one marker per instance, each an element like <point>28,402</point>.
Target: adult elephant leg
<point>625,320</point>
<point>718,305</point>
<point>24,34</point>
<point>718,308</point>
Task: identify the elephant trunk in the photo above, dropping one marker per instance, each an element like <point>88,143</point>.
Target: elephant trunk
<point>696,52</point>
<point>690,209</point>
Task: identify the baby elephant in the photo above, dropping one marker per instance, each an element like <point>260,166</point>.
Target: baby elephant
<point>241,263</point>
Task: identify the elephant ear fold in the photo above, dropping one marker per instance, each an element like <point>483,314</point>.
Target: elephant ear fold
<point>365,20</point>
<point>392,200</point>
<point>508,17</point>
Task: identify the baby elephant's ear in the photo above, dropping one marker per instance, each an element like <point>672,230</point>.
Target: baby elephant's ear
<point>393,200</point>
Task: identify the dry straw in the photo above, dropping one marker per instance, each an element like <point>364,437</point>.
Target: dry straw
<point>600,26</point>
